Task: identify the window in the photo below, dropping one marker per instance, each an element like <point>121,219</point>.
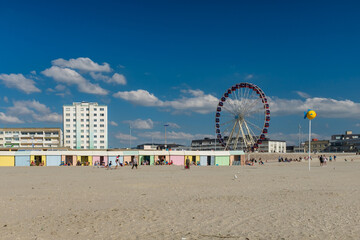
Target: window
<point>102,120</point>
<point>82,131</point>
<point>74,136</point>
<point>74,125</point>
<point>82,125</point>
<point>95,109</point>
<point>95,120</point>
<point>101,141</point>
<point>82,120</point>
<point>95,125</point>
<point>68,120</point>
<point>95,114</point>
<point>101,109</point>
<point>87,109</point>
<point>101,114</point>
<point>101,125</point>
<point>67,131</point>
<point>68,136</point>
<point>87,120</point>
<point>101,130</point>
<point>102,147</point>
<point>87,114</point>
<point>67,109</point>
<point>95,131</point>
<point>82,114</point>
<point>68,114</point>
<point>95,141</point>
<point>87,125</point>
<point>67,125</point>
<point>101,136</point>
<point>82,136</point>
<point>68,141</point>
<point>95,136</point>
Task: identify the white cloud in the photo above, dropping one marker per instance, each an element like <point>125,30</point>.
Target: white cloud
<point>125,138</point>
<point>139,97</point>
<point>19,82</point>
<point>249,76</point>
<point>172,135</point>
<point>82,64</point>
<point>112,123</point>
<point>116,78</point>
<point>196,102</point>
<point>33,110</point>
<point>140,123</point>
<point>173,125</point>
<point>33,72</point>
<point>324,107</point>
<point>302,94</point>
<point>70,77</point>
<point>9,119</point>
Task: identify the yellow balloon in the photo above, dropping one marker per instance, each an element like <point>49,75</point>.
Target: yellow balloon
<point>311,115</point>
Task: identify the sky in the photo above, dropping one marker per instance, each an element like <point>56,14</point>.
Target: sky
<point>168,62</point>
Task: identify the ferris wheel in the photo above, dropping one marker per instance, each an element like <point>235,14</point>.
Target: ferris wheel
<point>242,117</point>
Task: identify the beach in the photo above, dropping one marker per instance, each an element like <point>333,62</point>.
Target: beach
<point>272,201</point>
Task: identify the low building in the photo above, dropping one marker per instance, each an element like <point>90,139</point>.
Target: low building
<point>347,142</point>
<point>318,146</point>
<point>156,146</point>
<point>30,137</point>
<point>267,145</point>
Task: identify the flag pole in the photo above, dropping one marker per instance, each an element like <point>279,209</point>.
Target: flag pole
<point>309,141</point>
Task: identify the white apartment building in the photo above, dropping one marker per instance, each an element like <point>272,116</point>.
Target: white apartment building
<point>85,126</point>
<point>30,137</point>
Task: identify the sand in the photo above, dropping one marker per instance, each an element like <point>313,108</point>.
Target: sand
<point>274,201</point>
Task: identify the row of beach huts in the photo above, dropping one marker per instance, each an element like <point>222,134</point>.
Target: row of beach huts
<point>104,157</point>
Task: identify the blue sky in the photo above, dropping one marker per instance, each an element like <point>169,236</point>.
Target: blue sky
<point>157,62</point>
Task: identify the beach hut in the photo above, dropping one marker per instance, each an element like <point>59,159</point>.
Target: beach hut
<point>129,155</point>
<point>22,158</point>
<point>222,160</point>
<point>53,160</point>
<point>68,160</point>
<point>162,157</point>
<point>102,160</point>
<point>235,157</point>
<point>207,158</point>
<point>177,158</point>
<point>193,156</point>
<point>7,161</point>
<point>84,160</point>
<point>37,159</point>
<point>112,159</point>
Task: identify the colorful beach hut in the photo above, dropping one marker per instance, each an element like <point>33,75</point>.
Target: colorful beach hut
<point>22,158</point>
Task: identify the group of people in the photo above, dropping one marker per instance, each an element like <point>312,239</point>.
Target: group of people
<point>252,161</point>
<point>323,159</point>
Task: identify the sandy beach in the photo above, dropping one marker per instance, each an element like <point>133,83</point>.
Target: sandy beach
<point>273,201</point>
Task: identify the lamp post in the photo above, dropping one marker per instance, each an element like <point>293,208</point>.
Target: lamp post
<point>130,136</point>
<point>165,125</point>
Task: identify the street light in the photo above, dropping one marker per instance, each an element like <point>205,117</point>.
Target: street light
<point>130,136</point>
<point>165,125</point>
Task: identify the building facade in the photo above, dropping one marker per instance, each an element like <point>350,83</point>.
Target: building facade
<point>347,142</point>
<point>267,145</point>
<point>85,126</point>
<point>318,146</point>
<point>30,137</point>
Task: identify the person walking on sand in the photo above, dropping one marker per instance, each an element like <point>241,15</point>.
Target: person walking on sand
<point>117,161</point>
<point>135,163</point>
<point>187,163</point>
